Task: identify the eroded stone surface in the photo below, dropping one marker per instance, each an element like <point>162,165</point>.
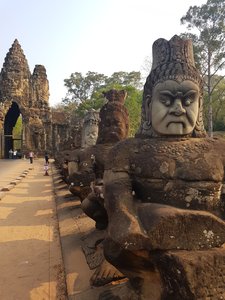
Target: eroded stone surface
<point>26,93</point>
<point>86,181</point>
<point>163,189</point>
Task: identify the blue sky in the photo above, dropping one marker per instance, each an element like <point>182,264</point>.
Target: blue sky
<point>103,36</point>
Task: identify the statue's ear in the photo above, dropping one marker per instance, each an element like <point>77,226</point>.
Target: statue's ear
<point>147,108</point>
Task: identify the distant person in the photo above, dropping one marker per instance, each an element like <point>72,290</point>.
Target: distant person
<point>10,153</point>
<point>46,169</point>
<point>31,156</point>
<point>15,154</point>
<point>46,158</point>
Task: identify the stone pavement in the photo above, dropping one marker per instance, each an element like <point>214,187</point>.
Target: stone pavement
<point>30,251</point>
<point>74,227</point>
<point>42,229</point>
<point>12,171</point>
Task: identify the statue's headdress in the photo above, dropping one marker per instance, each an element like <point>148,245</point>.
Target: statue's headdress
<point>172,60</point>
<point>116,100</point>
<point>117,96</point>
<point>91,117</point>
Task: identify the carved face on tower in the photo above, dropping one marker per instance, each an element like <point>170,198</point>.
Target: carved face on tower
<point>175,107</point>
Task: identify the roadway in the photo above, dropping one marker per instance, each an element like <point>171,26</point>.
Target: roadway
<point>30,253</point>
<point>12,168</point>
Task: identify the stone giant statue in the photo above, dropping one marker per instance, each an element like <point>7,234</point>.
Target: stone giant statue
<point>90,128</point>
<point>164,188</point>
<point>90,161</point>
<point>89,135</point>
<point>87,181</point>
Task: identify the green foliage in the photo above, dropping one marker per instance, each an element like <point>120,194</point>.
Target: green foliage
<point>209,41</point>
<point>125,79</point>
<point>86,92</point>
<point>17,133</point>
<point>133,105</point>
<point>218,105</point>
<point>17,129</point>
<point>80,88</point>
<point>95,103</point>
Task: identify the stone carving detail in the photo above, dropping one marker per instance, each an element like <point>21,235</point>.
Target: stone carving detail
<point>30,92</point>
<point>87,182</point>
<point>90,128</point>
<point>15,75</point>
<point>40,87</point>
<point>178,65</point>
<point>83,133</point>
<point>163,188</point>
<point>113,129</point>
<point>27,94</point>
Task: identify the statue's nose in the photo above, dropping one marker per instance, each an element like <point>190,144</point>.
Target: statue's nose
<point>177,108</point>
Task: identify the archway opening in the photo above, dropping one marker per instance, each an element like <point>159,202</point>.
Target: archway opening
<point>13,130</point>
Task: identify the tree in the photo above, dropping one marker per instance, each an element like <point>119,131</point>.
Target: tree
<point>80,88</point>
<point>218,104</point>
<point>209,45</point>
<point>125,79</point>
<point>133,105</point>
<point>86,92</point>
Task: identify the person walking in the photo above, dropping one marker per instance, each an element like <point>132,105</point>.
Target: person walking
<point>10,153</point>
<point>31,156</point>
<point>15,154</point>
<point>46,158</point>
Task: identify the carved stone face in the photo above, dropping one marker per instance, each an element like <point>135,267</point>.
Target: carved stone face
<point>114,128</point>
<point>90,135</point>
<point>175,107</point>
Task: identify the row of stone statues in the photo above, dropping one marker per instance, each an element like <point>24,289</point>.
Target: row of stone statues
<point>158,197</point>
<point>83,170</point>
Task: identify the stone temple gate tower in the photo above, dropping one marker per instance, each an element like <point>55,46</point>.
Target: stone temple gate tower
<point>24,95</point>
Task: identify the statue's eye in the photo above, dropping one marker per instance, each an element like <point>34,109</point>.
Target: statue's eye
<point>189,97</point>
<point>188,101</point>
<point>166,101</point>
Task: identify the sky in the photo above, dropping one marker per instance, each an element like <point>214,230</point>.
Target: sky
<point>103,36</point>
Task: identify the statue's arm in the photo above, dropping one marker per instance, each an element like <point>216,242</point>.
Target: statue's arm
<point>124,227</point>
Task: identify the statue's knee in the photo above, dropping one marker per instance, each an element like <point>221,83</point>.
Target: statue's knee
<point>85,205</point>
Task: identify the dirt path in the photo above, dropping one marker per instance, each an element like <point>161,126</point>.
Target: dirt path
<point>30,252</point>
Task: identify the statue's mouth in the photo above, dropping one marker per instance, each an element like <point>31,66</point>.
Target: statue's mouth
<point>176,122</point>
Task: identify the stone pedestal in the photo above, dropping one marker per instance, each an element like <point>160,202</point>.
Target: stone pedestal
<point>171,275</point>
<point>192,274</point>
